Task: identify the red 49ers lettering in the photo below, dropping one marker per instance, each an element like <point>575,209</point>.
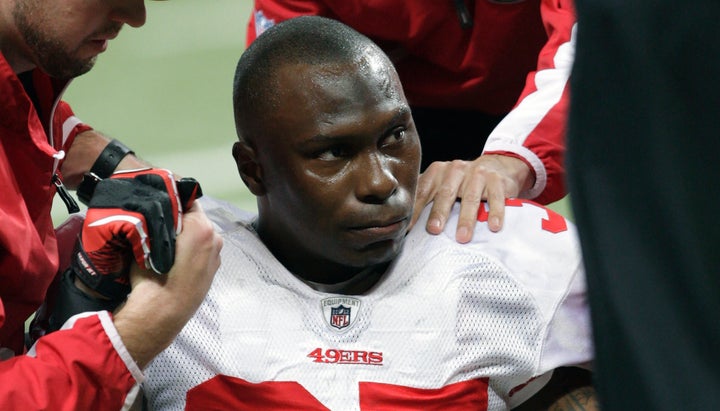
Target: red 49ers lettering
<point>555,223</point>
<point>334,356</point>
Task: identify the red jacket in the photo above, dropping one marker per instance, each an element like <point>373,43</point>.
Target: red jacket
<point>484,67</point>
<point>71,369</point>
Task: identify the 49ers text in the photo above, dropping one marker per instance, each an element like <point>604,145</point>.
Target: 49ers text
<point>335,356</point>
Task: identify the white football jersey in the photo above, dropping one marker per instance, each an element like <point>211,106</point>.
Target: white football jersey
<point>449,326</point>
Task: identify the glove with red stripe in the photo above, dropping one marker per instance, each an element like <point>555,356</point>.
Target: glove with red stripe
<point>134,214</point>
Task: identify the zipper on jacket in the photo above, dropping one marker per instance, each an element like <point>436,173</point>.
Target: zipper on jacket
<point>70,203</point>
<point>463,14</point>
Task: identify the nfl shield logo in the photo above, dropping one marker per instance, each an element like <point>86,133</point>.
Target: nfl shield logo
<point>340,317</point>
<point>340,313</point>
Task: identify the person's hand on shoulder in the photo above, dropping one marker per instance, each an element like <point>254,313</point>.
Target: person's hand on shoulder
<point>490,177</point>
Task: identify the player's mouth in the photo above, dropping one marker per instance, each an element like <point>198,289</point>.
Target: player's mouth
<point>381,230</point>
<point>100,40</point>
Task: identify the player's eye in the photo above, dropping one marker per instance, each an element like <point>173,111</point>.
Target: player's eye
<point>332,153</point>
<point>395,136</point>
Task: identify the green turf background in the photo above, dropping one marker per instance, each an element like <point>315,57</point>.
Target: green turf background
<point>165,90</point>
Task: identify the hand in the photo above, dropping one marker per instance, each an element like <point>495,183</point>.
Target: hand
<point>159,306</point>
<point>490,177</point>
<point>133,215</point>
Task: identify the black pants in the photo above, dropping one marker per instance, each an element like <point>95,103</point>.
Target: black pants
<point>643,147</point>
<point>452,134</point>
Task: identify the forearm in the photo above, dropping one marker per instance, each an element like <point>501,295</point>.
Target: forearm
<point>570,388</point>
<point>159,305</point>
<point>146,325</point>
<point>85,149</point>
<point>580,399</point>
<point>143,323</point>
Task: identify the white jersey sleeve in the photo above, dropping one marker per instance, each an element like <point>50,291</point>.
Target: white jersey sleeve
<point>541,253</point>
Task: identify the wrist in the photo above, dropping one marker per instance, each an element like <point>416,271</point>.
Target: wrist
<point>517,168</point>
<point>103,167</point>
<point>80,157</point>
<point>87,290</point>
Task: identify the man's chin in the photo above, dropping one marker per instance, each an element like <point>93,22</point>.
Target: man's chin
<point>70,70</point>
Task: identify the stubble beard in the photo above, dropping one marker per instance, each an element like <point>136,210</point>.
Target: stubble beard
<point>49,54</point>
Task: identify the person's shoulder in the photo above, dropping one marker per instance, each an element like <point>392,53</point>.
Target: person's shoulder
<point>226,216</point>
<point>533,239</point>
<point>525,221</point>
<point>526,217</point>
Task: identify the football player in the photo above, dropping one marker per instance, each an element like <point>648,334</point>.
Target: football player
<point>325,301</point>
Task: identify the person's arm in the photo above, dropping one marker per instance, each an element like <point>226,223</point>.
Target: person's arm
<point>530,139</point>
<point>159,306</point>
<point>95,360</point>
<point>86,147</point>
<point>569,389</point>
<point>535,129</point>
<point>580,399</point>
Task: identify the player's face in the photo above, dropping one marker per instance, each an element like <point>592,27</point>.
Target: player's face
<point>64,37</point>
<point>343,166</point>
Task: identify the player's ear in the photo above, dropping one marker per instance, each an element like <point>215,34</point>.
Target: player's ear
<point>248,167</point>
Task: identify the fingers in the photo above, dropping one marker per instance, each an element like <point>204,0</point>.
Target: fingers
<point>471,197</point>
<point>153,194</point>
<point>506,177</point>
<point>201,241</point>
<point>426,188</point>
<point>158,212</point>
<point>189,190</point>
<point>197,257</point>
<point>489,177</point>
<point>496,201</point>
<point>164,181</point>
<point>162,243</point>
<point>446,178</point>
<point>481,183</point>
<point>106,234</point>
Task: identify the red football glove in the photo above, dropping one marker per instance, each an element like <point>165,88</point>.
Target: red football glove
<point>134,214</point>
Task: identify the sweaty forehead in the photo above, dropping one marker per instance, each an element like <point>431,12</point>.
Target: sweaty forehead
<point>364,80</point>
<point>334,98</point>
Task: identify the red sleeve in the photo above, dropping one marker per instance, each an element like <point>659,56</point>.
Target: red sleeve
<point>535,129</point>
<point>66,126</point>
<point>266,13</point>
<point>80,368</point>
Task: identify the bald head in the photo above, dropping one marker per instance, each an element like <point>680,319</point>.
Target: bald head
<point>307,40</point>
